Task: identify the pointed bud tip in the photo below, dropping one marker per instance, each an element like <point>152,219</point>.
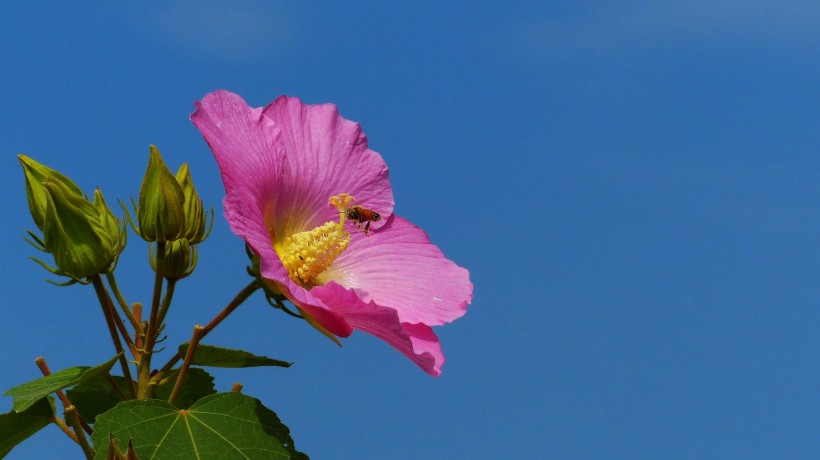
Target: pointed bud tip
<point>160,213</point>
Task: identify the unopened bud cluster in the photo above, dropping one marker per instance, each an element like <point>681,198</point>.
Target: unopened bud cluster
<point>170,213</point>
<point>84,237</point>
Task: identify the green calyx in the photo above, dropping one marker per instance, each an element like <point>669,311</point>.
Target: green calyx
<point>160,213</point>
<point>180,259</point>
<point>170,214</point>
<point>198,224</point>
<point>84,238</point>
<point>114,229</point>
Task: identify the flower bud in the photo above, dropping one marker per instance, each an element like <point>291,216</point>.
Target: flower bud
<point>114,231</point>
<point>74,233</point>
<point>180,259</point>
<point>196,227</point>
<point>160,213</point>
<point>36,174</point>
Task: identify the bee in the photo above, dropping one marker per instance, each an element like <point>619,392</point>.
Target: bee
<point>362,216</point>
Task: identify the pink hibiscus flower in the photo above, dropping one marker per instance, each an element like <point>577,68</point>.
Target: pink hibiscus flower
<point>282,166</point>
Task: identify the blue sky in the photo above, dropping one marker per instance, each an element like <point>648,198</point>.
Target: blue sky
<point>633,186</point>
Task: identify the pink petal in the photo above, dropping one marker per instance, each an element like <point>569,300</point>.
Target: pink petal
<point>415,341</point>
<point>242,140</point>
<point>326,155</point>
<point>244,215</point>
<point>293,157</point>
<point>329,320</point>
<point>397,266</point>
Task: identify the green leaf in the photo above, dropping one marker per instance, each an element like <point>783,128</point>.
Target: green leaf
<point>224,425</point>
<point>16,427</point>
<point>95,396</point>
<point>198,384</point>
<point>28,393</point>
<point>207,355</point>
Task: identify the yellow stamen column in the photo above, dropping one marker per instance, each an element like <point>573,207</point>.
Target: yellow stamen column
<point>307,254</point>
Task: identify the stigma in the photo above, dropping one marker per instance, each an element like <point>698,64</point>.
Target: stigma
<point>307,254</point>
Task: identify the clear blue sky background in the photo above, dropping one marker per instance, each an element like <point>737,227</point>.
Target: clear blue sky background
<point>633,186</point>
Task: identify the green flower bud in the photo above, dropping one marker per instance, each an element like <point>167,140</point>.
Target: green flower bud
<point>74,233</point>
<point>160,213</point>
<point>197,227</point>
<point>114,231</point>
<point>180,260</point>
<point>36,174</point>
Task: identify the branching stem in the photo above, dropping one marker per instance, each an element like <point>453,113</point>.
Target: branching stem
<point>112,282</point>
<point>73,419</point>
<point>144,383</point>
<point>189,358</point>
<point>166,301</point>
<point>242,296</point>
<point>109,312</point>
<point>43,366</point>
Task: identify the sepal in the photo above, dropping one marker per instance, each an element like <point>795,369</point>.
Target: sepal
<point>75,233</point>
<point>54,271</point>
<point>35,241</point>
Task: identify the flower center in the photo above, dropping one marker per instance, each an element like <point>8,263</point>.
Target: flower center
<point>307,254</point>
